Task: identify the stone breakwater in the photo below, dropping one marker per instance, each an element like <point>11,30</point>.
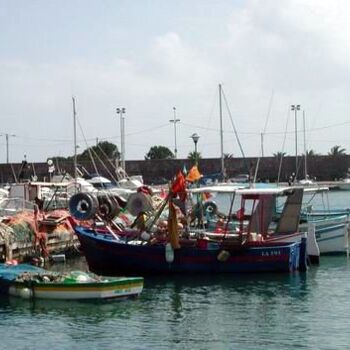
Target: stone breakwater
<point>323,168</point>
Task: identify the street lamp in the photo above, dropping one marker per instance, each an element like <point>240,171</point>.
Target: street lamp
<point>51,168</point>
<point>7,145</point>
<point>296,108</point>
<point>121,112</point>
<point>174,121</point>
<point>195,138</point>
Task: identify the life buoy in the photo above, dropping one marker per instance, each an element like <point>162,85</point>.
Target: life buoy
<point>108,208</point>
<point>210,208</point>
<point>83,206</point>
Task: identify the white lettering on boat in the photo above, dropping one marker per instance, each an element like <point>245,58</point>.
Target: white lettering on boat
<point>271,253</point>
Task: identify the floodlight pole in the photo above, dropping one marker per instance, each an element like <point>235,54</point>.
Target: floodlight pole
<point>175,121</point>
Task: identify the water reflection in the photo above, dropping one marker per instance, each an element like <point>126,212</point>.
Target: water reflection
<point>273,311</point>
<point>294,284</point>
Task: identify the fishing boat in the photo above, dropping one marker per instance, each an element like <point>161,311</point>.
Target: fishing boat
<point>344,184</point>
<point>328,228</point>
<point>331,225</point>
<point>109,252</point>
<point>31,282</point>
<point>331,233</point>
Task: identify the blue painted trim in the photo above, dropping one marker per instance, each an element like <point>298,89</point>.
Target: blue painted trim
<point>329,238</point>
<point>329,229</point>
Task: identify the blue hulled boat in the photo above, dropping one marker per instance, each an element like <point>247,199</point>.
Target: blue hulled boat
<point>107,255</point>
<point>111,251</point>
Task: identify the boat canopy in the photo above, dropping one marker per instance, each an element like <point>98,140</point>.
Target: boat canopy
<point>316,189</point>
<point>218,189</point>
<point>289,221</point>
<point>241,190</point>
<point>280,191</point>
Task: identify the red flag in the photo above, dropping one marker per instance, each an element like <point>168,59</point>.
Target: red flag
<point>179,186</point>
<point>240,214</point>
<point>206,195</point>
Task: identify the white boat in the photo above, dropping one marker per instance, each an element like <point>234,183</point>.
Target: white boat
<point>102,184</point>
<point>307,182</point>
<point>4,193</point>
<point>331,234</point>
<point>344,184</point>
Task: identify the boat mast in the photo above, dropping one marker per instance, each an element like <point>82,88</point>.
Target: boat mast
<point>75,141</point>
<point>305,145</point>
<point>221,136</point>
<point>296,108</point>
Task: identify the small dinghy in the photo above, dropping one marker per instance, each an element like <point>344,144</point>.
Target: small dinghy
<point>31,282</point>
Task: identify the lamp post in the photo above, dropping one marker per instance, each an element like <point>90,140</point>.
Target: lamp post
<point>51,168</point>
<point>195,138</point>
<point>7,145</point>
<point>296,108</point>
<point>121,112</point>
<point>175,121</point>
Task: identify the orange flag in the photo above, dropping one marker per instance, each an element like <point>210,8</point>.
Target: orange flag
<point>194,174</point>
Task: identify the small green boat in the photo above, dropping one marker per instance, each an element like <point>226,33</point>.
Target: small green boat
<point>30,282</point>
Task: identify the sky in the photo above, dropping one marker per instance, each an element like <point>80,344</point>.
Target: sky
<point>150,56</point>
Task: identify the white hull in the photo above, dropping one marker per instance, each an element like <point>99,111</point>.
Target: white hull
<point>344,186</point>
<point>330,240</point>
<point>333,240</point>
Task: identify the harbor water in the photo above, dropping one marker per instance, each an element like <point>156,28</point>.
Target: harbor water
<point>270,311</point>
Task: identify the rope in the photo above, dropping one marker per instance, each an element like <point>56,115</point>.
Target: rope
<point>283,144</point>
<point>263,133</point>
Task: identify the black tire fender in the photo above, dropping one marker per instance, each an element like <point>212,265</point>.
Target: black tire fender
<point>108,207</point>
<point>83,206</point>
<point>210,208</point>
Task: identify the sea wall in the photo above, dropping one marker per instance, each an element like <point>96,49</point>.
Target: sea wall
<point>323,168</point>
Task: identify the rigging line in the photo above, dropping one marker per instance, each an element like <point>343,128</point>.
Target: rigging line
<point>210,116</point>
<point>90,150</point>
<point>271,132</point>
<point>234,128</point>
<point>262,136</point>
<point>111,164</point>
<point>146,130</point>
<point>313,120</point>
<point>43,139</point>
<point>205,128</point>
<point>92,138</point>
<point>268,111</point>
<point>314,129</point>
<point>103,164</point>
<point>87,145</point>
<point>283,145</point>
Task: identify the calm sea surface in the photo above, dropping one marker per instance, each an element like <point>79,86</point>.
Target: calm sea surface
<point>269,311</point>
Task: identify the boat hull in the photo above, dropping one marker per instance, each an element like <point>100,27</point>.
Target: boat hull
<point>117,289</point>
<point>111,257</point>
<point>331,233</point>
<point>331,239</point>
<point>98,287</point>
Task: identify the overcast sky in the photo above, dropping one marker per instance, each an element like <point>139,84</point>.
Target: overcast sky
<point>151,56</point>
